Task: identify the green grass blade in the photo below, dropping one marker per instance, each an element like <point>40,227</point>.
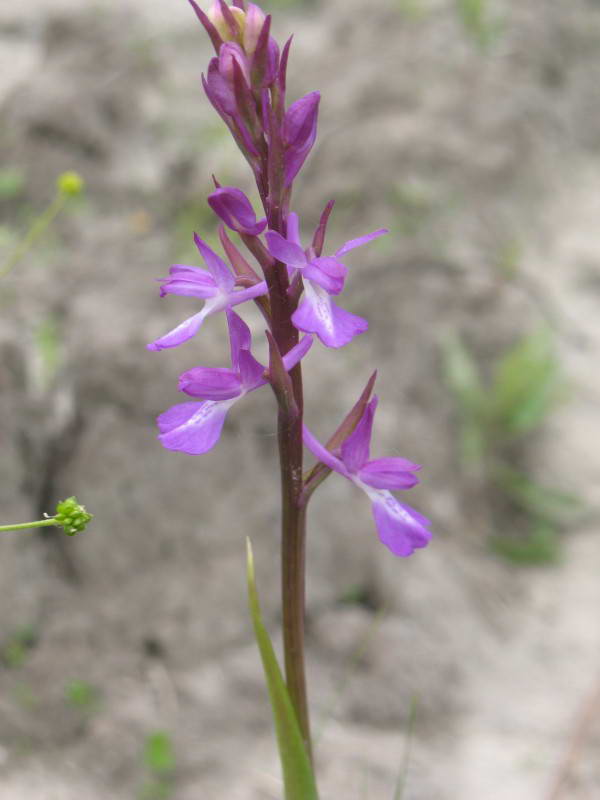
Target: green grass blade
<point>526,384</point>
<point>298,777</point>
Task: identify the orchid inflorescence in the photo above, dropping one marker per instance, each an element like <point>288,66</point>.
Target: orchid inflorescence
<point>292,285</point>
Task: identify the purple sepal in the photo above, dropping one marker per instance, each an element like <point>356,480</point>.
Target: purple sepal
<point>317,313</point>
<point>210,383</point>
<point>368,237</point>
<point>234,208</point>
<point>285,250</point>
<point>355,449</point>
<point>188,282</point>
<point>297,353</point>
<point>217,267</point>
<point>389,473</point>
<point>322,453</point>
<point>299,133</point>
<point>181,333</point>
<point>265,61</point>
<point>213,33</point>
<point>218,90</point>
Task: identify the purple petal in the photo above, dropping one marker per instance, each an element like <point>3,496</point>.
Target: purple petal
<point>355,449</point>
<point>317,313</point>
<point>189,282</point>
<point>345,248</point>
<point>241,295</point>
<point>210,383</point>
<point>293,228</point>
<point>286,251</point>
<point>240,337</point>
<point>234,208</point>
<point>293,356</point>
<point>389,473</point>
<point>251,372</point>
<point>181,333</point>
<point>400,527</point>
<point>193,428</point>
<point>331,285</point>
<point>217,267</point>
<point>328,272</point>
<point>321,453</point>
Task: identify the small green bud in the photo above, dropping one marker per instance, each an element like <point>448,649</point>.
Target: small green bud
<point>71,516</point>
<point>70,183</point>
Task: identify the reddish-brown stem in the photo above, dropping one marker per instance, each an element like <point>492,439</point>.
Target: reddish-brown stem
<point>275,199</point>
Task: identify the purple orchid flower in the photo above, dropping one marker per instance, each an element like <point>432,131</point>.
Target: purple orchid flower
<point>195,428</point>
<point>400,527</point>
<point>325,275</point>
<point>216,286</point>
<point>233,207</point>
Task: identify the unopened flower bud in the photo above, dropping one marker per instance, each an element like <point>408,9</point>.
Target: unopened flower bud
<point>234,208</point>
<point>230,52</point>
<point>71,516</point>
<point>70,183</point>
<point>255,19</point>
<point>215,15</point>
<point>299,133</point>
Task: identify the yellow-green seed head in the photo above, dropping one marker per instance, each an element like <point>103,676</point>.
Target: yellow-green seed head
<point>71,516</point>
<point>70,183</point>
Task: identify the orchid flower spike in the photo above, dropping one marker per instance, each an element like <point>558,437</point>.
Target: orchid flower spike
<point>216,286</point>
<point>195,427</point>
<point>401,528</point>
<point>324,275</point>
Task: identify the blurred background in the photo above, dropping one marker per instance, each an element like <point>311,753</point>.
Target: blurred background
<point>470,128</point>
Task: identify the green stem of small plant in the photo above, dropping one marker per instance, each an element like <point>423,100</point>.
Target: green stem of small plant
<point>24,526</point>
<point>38,227</point>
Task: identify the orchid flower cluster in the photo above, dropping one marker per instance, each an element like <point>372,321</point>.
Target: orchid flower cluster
<point>294,286</point>
<point>246,84</point>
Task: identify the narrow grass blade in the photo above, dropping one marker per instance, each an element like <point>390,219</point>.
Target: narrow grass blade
<point>298,777</point>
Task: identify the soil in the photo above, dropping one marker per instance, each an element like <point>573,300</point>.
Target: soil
<point>471,677</point>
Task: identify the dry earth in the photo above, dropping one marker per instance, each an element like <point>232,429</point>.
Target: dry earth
<point>463,152</point>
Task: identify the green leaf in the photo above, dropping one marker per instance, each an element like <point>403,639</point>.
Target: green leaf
<point>462,377</point>
<point>543,502</point>
<point>298,777</point>
<point>158,753</point>
<point>12,182</point>
<point>539,547</point>
<point>526,385</point>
